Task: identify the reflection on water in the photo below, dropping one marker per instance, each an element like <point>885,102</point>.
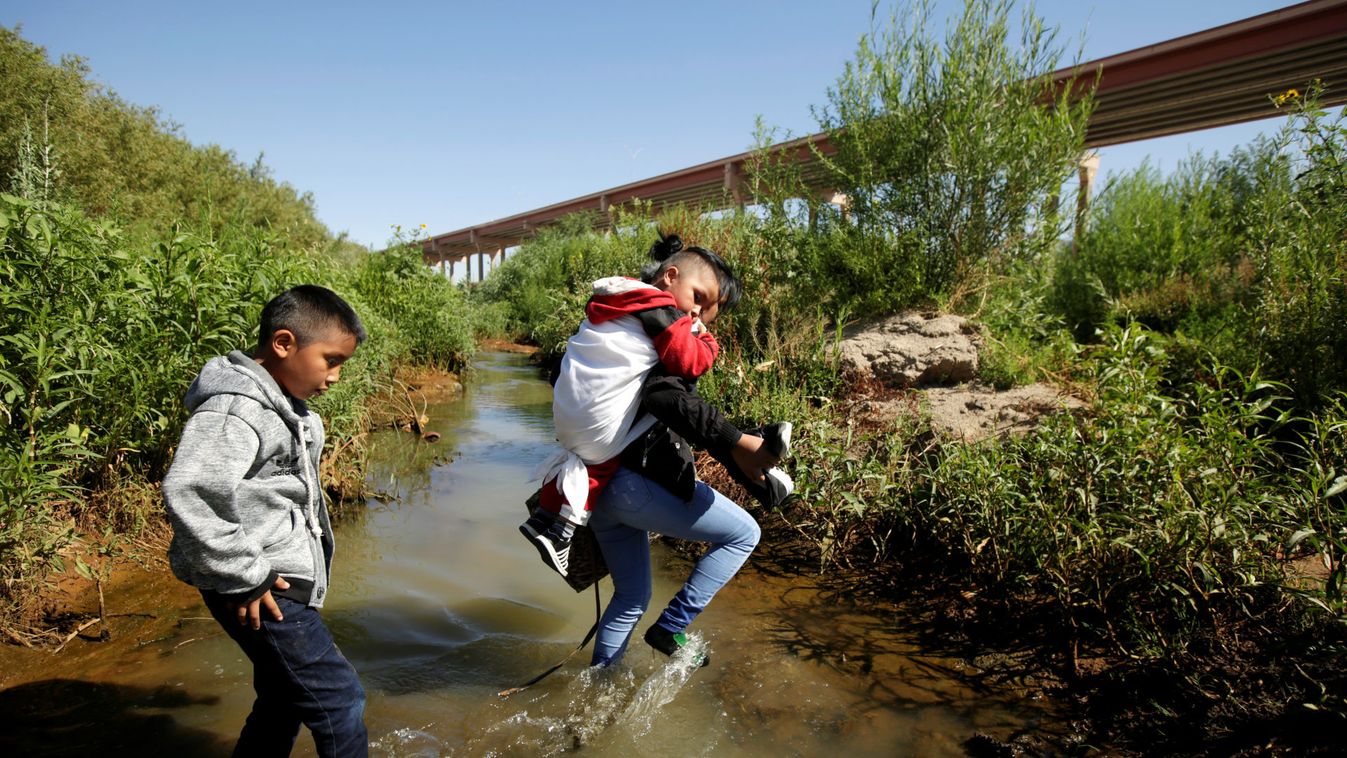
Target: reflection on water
<point>440,604</point>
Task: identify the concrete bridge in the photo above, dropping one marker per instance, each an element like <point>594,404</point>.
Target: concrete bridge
<point>1224,75</point>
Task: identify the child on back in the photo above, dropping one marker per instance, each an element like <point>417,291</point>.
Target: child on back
<point>250,528</point>
<point>631,329</point>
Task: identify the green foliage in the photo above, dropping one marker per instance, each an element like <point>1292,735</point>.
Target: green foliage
<point>426,309</point>
<point>1170,252</point>
<point>122,161</point>
<point>946,152</point>
<point>1236,252</point>
<point>1135,520</point>
<point>1301,254</point>
<point>1168,506</point>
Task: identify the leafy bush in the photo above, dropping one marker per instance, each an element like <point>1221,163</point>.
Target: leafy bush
<point>1301,254</point>
<point>1236,252</point>
<point>1173,252</point>
<point>946,153</point>
<point>427,310</point>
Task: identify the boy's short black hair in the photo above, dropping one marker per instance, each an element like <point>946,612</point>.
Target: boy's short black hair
<point>308,311</point>
<point>668,251</point>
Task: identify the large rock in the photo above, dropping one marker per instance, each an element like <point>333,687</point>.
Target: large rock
<point>913,349</point>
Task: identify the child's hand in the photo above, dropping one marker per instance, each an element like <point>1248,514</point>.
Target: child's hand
<point>752,457</point>
<point>697,326</point>
<point>252,612</point>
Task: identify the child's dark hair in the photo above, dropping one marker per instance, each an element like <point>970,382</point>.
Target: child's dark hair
<point>308,311</point>
<point>669,251</point>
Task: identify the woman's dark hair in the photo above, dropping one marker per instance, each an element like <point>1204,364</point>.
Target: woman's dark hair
<point>308,311</point>
<point>669,251</point>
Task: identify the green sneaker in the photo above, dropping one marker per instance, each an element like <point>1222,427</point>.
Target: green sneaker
<point>668,642</point>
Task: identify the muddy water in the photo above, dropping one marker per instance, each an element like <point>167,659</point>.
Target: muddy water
<point>440,604</point>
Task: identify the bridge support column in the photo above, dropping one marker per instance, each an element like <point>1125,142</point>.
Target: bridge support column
<point>734,184</point>
<point>1086,169</point>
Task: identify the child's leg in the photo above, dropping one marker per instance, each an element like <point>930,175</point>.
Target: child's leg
<point>551,530</point>
<point>552,501</point>
<point>300,677</point>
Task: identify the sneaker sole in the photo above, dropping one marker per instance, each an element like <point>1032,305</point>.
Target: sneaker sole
<point>781,486</point>
<point>544,548</point>
<point>782,447</point>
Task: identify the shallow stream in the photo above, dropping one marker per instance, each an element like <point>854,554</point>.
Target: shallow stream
<point>440,604</point>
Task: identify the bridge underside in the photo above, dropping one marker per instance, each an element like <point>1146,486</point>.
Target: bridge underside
<point>1220,76</point>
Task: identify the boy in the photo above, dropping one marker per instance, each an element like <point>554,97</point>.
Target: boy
<point>250,528</point>
<point>631,328</point>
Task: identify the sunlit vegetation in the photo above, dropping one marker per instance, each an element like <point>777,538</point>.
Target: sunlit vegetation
<point>1201,315</point>
<point>129,257</point>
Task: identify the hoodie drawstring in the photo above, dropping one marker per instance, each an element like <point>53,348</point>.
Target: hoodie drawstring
<point>310,513</point>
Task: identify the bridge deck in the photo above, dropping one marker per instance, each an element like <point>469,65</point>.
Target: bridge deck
<point>1220,76</point>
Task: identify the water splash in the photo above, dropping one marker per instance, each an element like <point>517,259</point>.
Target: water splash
<point>660,689</point>
<point>604,708</point>
<point>407,743</point>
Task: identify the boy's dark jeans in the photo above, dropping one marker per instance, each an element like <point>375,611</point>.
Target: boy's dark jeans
<point>300,678</point>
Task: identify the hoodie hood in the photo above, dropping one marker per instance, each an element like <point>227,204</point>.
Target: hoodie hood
<point>238,374</point>
<point>617,296</point>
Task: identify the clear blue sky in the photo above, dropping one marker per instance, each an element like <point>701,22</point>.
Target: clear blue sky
<point>456,113</point>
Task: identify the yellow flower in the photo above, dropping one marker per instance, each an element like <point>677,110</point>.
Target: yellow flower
<point>423,226</point>
<point>1290,94</point>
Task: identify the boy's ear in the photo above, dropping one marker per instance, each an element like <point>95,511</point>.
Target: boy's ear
<point>670,275</point>
<point>283,343</point>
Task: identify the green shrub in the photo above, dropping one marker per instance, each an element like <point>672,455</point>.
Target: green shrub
<point>429,312</point>
<point>1173,252</point>
<point>1301,253</point>
<point>1239,252</point>
<point>946,152</point>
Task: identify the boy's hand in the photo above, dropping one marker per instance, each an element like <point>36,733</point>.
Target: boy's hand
<point>252,612</point>
<point>752,457</point>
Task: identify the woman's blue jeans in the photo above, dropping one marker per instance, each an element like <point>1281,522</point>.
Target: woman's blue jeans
<point>300,678</point>
<point>626,512</point>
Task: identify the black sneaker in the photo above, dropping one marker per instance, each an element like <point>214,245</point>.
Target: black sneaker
<point>776,437</point>
<point>554,550</point>
<point>781,487</point>
<point>774,490</point>
<point>668,642</point>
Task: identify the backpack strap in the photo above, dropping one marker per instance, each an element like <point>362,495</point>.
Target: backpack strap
<point>588,636</point>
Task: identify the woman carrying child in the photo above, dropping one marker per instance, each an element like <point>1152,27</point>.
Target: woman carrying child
<point>651,486</point>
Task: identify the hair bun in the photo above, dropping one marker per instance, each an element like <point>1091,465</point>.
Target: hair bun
<point>665,247</point>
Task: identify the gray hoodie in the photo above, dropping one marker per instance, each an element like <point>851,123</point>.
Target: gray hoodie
<point>243,494</point>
